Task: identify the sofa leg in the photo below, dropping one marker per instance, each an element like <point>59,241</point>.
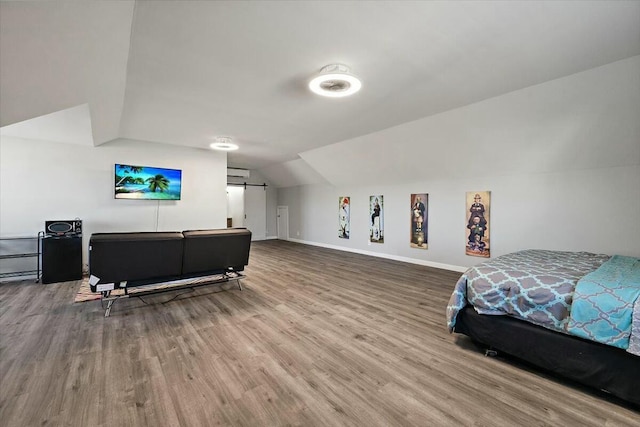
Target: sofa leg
<point>239,284</point>
<point>108,310</point>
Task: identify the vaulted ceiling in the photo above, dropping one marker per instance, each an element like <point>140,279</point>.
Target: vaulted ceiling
<point>182,72</point>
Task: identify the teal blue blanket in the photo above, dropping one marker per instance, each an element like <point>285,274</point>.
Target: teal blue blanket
<point>603,302</point>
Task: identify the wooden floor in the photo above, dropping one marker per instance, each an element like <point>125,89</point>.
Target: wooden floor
<point>316,338</point>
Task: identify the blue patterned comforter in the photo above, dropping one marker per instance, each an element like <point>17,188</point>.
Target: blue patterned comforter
<point>534,285</point>
<point>604,302</point>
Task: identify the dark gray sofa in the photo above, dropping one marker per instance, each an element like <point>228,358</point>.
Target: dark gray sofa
<point>143,258</point>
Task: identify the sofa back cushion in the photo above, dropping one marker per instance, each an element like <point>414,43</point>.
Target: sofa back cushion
<point>215,251</point>
<point>115,257</point>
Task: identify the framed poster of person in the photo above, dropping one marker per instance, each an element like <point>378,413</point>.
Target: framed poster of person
<point>376,214</point>
<point>344,221</point>
<point>419,221</point>
<point>478,207</point>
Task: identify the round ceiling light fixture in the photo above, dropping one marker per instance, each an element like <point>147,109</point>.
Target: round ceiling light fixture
<point>335,81</point>
<point>223,143</point>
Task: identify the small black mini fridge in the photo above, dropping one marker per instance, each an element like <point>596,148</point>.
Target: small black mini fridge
<point>61,258</point>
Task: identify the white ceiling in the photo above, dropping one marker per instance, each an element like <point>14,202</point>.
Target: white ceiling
<point>55,56</point>
<point>183,72</point>
<point>70,126</point>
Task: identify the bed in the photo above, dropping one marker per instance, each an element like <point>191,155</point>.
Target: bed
<point>576,314</point>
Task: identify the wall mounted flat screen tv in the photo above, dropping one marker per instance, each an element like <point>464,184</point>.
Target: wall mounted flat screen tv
<point>147,183</point>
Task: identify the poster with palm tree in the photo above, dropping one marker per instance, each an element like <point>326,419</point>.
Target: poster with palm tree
<point>147,183</point>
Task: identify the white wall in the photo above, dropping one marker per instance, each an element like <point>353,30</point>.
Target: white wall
<point>593,210</point>
<point>573,183</point>
<point>41,180</point>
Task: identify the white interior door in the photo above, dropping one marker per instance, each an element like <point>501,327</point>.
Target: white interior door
<point>255,212</point>
<point>283,222</point>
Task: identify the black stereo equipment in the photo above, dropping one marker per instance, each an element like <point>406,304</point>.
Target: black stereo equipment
<point>72,227</point>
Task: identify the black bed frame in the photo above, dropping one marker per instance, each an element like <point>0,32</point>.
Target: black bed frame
<point>603,367</point>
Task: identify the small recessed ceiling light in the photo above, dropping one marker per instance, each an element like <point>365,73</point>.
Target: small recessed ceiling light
<point>223,143</point>
<point>335,81</point>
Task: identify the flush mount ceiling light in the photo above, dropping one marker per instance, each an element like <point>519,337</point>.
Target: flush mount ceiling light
<point>335,81</point>
<point>223,143</point>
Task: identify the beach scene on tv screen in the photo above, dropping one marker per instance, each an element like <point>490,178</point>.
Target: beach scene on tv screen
<point>147,183</point>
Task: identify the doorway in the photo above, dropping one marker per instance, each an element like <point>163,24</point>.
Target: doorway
<point>235,206</point>
<point>247,207</point>
<point>283,222</point>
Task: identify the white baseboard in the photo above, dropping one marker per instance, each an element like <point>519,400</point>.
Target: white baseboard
<point>386,256</point>
<point>271,237</point>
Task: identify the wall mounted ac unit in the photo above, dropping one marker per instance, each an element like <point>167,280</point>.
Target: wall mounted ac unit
<point>242,173</point>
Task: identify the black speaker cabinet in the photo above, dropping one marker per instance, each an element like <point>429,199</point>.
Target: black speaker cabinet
<point>61,258</point>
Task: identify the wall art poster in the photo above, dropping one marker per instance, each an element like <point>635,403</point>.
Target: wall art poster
<point>478,218</point>
<point>343,217</point>
<point>419,223</point>
<point>376,212</point>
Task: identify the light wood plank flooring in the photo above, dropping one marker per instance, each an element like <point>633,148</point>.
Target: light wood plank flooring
<point>317,338</point>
